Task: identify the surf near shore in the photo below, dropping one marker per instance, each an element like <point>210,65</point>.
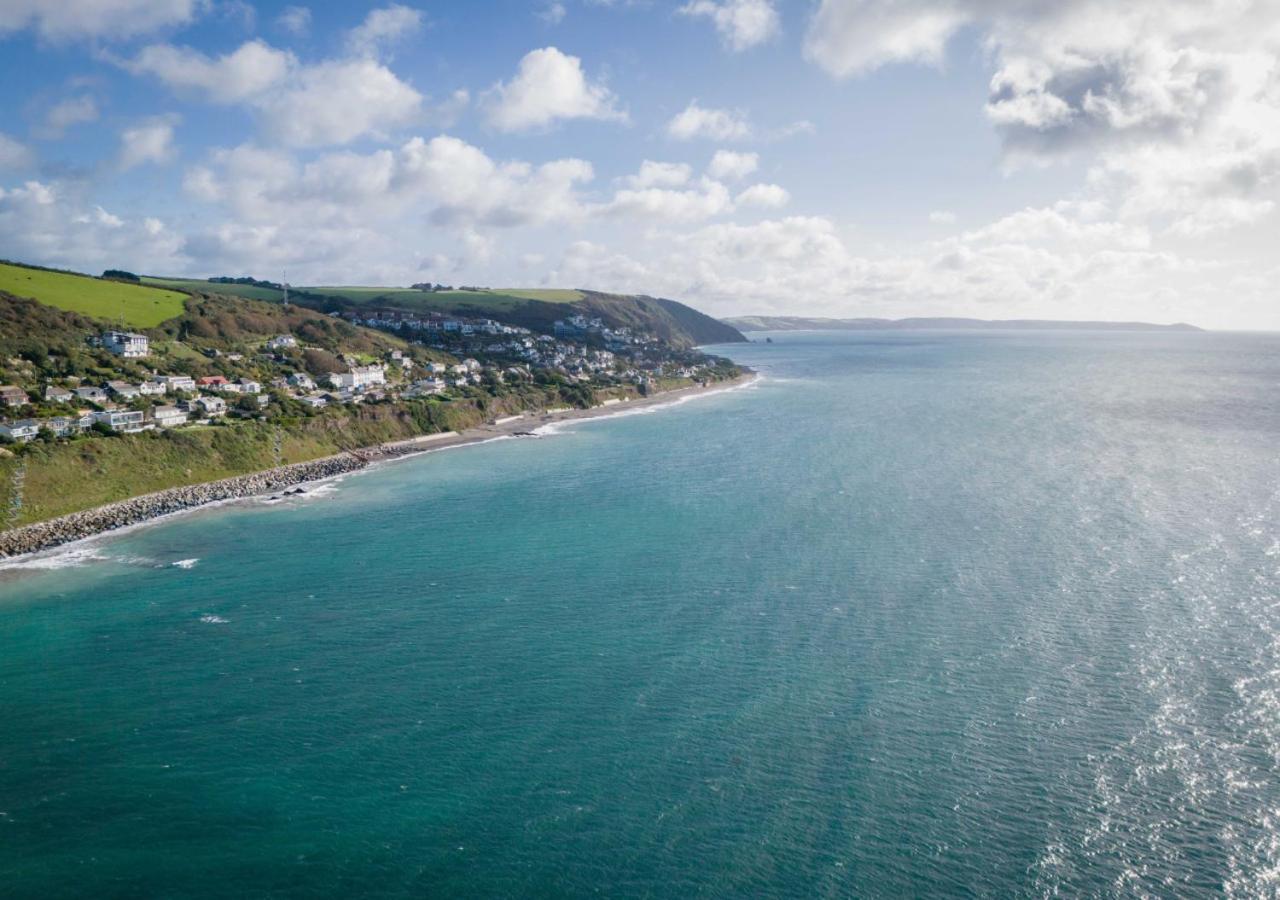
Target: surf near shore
<point>78,526</point>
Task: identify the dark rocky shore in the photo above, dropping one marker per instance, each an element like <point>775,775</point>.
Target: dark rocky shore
<point>75,526</point>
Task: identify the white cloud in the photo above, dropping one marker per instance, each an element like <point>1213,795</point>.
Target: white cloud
<point>769,196</point>
<point>742,24</point>
<point>148,142</point>
<point>69,112</point>
<point>14,154</point>
<point>382,27</point>
<point>695,121</point>
<point>295,20</point>
<point>942,217</point>
<point>554,13</point>
<point>244,74</point>
<point>332,102</point>
<point>847,37</point>
<point>337,102</point>
<point>45,224</point>
<point>660,174</point>
<point>704,200</point>
<point>731,165</point>
<point>549,86</point>
<point>62,20</point>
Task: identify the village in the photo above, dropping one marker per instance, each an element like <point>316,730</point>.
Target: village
<point>463,356</point>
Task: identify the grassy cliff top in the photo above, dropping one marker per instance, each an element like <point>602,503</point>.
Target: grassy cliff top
<point>118,302</point>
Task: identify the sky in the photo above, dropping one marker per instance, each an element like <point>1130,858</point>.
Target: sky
<point>1066,159</point>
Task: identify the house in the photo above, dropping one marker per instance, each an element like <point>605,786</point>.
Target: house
<point>302,380</point>
<point>12,395</point>
<point>123,390</point>
<point>168,416</point>
<point>21,430</point>
<point>64,425</point>
<point>249,386</point>
<point>177,382</point>
<point>92,394</point>
<point>211,381</point>
<point>282,342</point>
<point>211,406</point>
<point>128,420</point>
<point>315,401</point>
<point>359,377</point>
<point>427,386</point>
<point>153,388</point>
<point>126,344</point>
<point>55,394</point>
<point>436,368</point>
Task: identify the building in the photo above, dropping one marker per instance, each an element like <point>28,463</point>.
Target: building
<point>211,381</point>
<point>302,380</point>
<point>153,388</point>
<point>92,394</point>
<point>123,390</point>
<point>55,394</point>
<point>282,342</point>
<point>12,395</point>
<point>359,377</point>
<point>168,416</point>
<point>177,382</point>
<point>128,420</point>
<point>21,430</point>
<point>63,426</point>
<point>249,386</point>
<point>127,344</point>
<point>210,406</point>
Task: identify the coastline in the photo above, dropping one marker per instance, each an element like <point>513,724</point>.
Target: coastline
<point>37,537</point>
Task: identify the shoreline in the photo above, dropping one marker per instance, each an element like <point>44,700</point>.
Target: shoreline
<point>28,540</point>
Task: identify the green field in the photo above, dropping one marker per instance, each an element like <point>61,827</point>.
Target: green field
<point>136,306</point>
<point>250,291</point>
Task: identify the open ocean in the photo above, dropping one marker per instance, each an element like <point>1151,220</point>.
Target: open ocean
<point>916,614</point>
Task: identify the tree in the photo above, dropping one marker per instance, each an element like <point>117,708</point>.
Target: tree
<point>120,275</point>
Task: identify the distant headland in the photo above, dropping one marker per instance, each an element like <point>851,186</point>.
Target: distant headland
<point>811,323</point>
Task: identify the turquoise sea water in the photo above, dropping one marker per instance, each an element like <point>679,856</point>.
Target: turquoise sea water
<point>916,614</point>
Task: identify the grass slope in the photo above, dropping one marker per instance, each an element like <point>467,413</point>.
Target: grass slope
<point>138,306</point>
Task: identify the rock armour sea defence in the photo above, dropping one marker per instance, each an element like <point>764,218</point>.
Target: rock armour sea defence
<point>75,526</point>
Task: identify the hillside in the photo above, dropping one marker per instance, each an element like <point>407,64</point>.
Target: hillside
<point>810,323</point>
<point>117,302</point>
<point>533,308</point>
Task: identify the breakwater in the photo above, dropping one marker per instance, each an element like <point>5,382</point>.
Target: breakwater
<point>79,525</point>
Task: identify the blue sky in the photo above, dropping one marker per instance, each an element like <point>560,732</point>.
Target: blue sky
<point>838,157</point>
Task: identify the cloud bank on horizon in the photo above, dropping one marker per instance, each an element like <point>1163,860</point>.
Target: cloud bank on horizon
<point>994,158</point>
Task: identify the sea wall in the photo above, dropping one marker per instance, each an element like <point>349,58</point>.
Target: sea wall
<point>75,526</point>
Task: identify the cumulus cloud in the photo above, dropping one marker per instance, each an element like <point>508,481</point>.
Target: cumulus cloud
<point>14,154</point>
<point>382,28</point>
<point>942,217</point>
<point>47,224</point>
<point>769,196</point>
<point>67,113</point>
<point>742,24</point>
<point>549,86</point>
<point>147,142</point>
<point>696,121</point>
<point>296,20</point>
<point>660,174</point>
<point>66,20</point>
<point>333,102</point>
<point>730,165</point>
<point>244,74</point>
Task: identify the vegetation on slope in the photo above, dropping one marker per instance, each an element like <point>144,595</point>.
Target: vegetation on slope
<point>116,302</point>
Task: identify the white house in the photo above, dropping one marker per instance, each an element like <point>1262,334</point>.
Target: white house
<point>359,377</point>
<point>177,382</point>
<point>249,386</point>
<point>121,419</point>
<point>21,430</point>
<point>153,388</point>
<point>55,394</point>
<point>211,406</point>
<point>282,342</point>
<point>92,394</point>
<point>168,416</point>
<point>12,395</point>
<point>126,344</point>
<point>436,368</point>
<point>123,389</point>
<point>302,380</point>
<point>315,401</point>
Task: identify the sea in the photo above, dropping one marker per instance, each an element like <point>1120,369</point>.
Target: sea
<point>913,614</point>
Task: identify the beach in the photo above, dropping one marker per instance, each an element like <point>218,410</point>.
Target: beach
<point>78,526</point>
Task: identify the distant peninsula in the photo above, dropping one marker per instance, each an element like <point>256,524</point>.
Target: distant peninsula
<point>811,323</point>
